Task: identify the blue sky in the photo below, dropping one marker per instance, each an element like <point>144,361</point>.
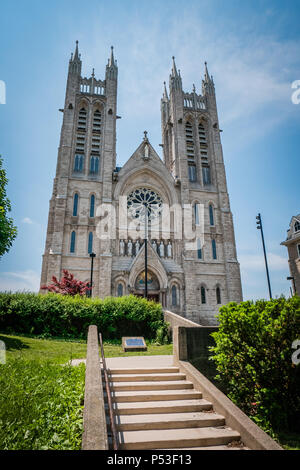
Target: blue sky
<point>252,50</point>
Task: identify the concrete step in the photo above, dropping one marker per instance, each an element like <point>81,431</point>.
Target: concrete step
<point>168,421</point>
<point>155,395</point>
<point>146,377</point>
<point>161,385</point>
<point>144,370</point>
<point>172,406</point>
<point>177,438</point>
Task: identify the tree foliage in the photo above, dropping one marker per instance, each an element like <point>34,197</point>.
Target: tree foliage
<point>68,285</point>
<point>253,355</point>
<point>8,231</point>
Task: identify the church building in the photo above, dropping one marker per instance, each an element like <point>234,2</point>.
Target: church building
<point>178,207</point>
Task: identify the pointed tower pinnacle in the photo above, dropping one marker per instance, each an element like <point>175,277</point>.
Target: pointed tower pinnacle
<point>207,78</point>
<point>165,95</point>
<point>174,69</point>
<point>111,68</point>
<point>76,55</point>
<point>111,62</point>
<point>175,78</point>
<point>75,61</point>
<point>208,86</point>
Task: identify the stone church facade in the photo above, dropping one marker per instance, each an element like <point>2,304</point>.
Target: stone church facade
<point>191,270</point>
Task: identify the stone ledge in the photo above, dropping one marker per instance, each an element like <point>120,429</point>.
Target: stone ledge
<point>94,419</point>
<point>251,435</point>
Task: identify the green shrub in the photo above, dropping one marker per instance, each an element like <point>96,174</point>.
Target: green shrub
<point>70,316</point>
<point>41,406</point>
<point>164,334</point>
<point>253,355</point>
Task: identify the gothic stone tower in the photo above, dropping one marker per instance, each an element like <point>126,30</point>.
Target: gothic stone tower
<point>85,163</point>
<point>193,280</point>
<point>193,154</point>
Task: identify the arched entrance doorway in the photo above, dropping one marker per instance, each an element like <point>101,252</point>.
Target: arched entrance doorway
<point>152,284</point>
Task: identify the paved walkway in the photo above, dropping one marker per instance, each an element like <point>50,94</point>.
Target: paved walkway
<point>133,361</point>
<point>139,361</point>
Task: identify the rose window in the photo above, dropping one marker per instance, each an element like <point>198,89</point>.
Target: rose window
<point>142,201</point>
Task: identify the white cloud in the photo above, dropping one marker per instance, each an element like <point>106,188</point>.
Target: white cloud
<point>19,281</point>
<point>253,71</point>
<point>257,263</point>
<point>27,220</point>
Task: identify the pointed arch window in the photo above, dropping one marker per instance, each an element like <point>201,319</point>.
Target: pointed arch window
<point>94,165</point>
<point>203,295</point>
<point>196,213</point>
<point>97,121</point>
<point>192,173</point>
<point>206,175</point>
<point>82,119</point>
<point>174,296</point>
<point>78,163</point>
<point>72,242</point>
<point>92,205</point>
<point>120,290</point>
<point>214,249</point>
<point>218,295</point>
<point>96,142</point>
<point>199,249</point>
<point>75,205</point>
<point>202,139</point>
<point>80,141</point>
<point>189,140</point>
<point>90,244</point>
<point>81,128</point>
<point>211,215</point>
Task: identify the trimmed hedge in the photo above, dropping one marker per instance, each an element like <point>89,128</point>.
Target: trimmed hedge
<point>70,316</point>
<point>253,355</point>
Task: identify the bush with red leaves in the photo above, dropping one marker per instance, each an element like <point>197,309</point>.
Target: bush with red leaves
<point>68,285</point>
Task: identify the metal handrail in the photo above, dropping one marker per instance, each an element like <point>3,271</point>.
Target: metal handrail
<point>108,392</point>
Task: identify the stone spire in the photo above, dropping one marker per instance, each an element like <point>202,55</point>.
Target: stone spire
<point>206,74</point>
<point>165,95</point>
<point>111,62</point>
<point>175,78</point>
<point>111,68</point>
<point>76,55</point>
<point>174,69</point>
<point>75,61</point>
<point>207,83</point>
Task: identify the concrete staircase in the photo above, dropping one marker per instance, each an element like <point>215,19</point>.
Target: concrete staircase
<point>157,408</point>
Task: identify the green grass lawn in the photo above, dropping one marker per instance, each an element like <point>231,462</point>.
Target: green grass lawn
<point>41,402</point>
<point>31,371</point>
<point>56,351</point>
<point>41,405</point>
<point>60,351</point>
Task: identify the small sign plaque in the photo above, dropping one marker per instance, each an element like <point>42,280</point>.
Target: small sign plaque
<point>134,343</point>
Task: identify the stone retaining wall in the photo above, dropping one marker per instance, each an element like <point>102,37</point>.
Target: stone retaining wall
<point>94,420</point>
